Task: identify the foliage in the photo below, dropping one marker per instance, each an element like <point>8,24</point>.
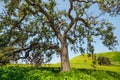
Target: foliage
<point>35,28</point>
<point>104,61</point>
<point>6,54</point>
<point>29,73</point>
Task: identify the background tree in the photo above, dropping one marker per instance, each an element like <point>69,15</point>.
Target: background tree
<point>34,27</point>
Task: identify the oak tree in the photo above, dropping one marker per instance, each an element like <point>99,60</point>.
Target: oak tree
<point>37,27</point>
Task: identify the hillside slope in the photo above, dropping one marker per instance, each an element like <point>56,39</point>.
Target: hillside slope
<point>84,62</point>
<point>114,57</point>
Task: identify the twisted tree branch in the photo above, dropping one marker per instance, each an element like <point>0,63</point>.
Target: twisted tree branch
<point>49,17</point>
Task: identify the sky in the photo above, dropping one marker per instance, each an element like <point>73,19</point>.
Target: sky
<point>99,47</point>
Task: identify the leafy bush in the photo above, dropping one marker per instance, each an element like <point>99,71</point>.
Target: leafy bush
<point>12,73</point>
<point>30,73</point>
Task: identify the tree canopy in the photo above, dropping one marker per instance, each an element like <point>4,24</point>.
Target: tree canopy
<point>30,29</point>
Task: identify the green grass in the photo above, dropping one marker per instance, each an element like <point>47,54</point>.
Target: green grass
<point>81,69</point>
<point>53,73</point>
<point>114,56</point>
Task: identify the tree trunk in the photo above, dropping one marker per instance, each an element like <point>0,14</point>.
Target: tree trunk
<point>65,64</point>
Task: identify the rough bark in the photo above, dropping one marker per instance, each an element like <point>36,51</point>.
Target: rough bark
<point>65,64</point>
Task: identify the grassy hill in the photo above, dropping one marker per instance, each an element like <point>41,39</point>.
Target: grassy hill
<point>114,57</point>
<point>83,61</point>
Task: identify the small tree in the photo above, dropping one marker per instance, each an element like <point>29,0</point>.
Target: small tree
<point>37,26</point>
<point>104,61</point>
